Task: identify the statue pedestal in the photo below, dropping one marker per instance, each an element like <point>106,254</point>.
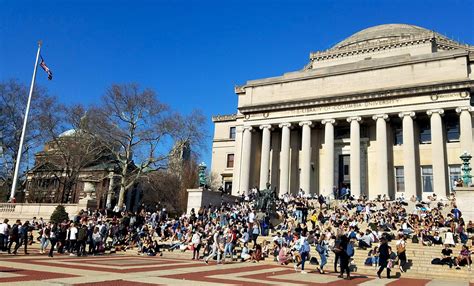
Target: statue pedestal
<point>200,198</point>
<point>465,202</point>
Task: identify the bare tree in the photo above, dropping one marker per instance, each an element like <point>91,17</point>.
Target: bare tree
<point>139,127</point>
<point>13,98</point>
<point>170,189</point>
<point>68,153</point>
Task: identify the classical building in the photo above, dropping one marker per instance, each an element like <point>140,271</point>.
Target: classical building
<point>385,112</point>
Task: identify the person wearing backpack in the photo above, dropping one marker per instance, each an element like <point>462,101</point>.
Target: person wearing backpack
<point>337,249</point>
<point>322,249</point>
<point>401,252</point>
<point>345,255</point>
<point>302,246</point>
<point>14,236</point>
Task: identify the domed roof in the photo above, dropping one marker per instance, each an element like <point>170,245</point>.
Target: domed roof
<point>68,133</point>
<point>383,32</point>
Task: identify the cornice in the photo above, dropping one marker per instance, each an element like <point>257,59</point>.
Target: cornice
<point>225,117</point>
<point>399,60</point>
<point>435,88</point>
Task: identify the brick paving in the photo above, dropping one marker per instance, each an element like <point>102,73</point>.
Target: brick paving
<point>171,269</point>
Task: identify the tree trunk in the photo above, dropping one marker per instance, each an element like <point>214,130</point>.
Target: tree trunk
<point>122,193</point>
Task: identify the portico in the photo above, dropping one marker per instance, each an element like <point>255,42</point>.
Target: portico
<point>382,122</point>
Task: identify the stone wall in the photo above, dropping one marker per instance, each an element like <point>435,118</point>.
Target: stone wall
<point>28,211</point>
<point>199,198</point>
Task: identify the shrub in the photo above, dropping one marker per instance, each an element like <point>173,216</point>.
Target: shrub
<point>59,215</point>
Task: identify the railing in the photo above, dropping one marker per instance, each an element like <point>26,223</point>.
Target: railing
<point>7,208</point>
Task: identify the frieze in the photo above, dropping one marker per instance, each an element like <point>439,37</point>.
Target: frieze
<point>346,106</point>
<point>437,91</point>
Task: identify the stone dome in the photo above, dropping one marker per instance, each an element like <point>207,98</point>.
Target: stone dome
<point>68,133</point>
<point>384,33</point>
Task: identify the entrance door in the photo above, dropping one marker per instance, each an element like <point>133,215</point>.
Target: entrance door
<point>344,174</point>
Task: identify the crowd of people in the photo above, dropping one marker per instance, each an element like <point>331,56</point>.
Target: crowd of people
<point>301,226</point>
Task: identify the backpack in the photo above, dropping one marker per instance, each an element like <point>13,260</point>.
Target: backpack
<point>314,261</point>
<point>436,261</point>
<point>337,246</point>
<point>305,247</point>
<point>350,250</point>
<point>415,239</point>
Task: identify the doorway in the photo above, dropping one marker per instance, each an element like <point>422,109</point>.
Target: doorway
<point>344,177</point>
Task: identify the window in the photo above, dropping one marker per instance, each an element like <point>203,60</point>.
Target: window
<point>452,129</point>
<point>454,174</point>
<point>399,179</point>
<point>230,160</point>
<point>397,135</point>
<point>232,133</point>
<point>427,179</point>
<point>425,132</point>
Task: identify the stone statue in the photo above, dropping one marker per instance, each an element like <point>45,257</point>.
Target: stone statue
<point>266,201</point>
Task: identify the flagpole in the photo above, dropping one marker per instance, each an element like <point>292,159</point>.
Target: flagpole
<point>25,120</point>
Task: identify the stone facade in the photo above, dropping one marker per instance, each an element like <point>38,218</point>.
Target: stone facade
<point>384,112</point>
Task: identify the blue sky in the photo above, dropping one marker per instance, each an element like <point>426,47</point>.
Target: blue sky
<point>193,53</point>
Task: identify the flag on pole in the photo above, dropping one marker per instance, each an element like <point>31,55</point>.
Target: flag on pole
<point>46,69</point>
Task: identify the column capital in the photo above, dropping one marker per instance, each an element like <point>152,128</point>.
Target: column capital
<point>354,118</point>
<point>266,126</point>
<point>309,123</point>
<point>463,108</point>
<point>286,124</point>
<point>433,111</point>
<point>328,121</point>
<point>407,113</point>
<point>248,127</point>
<point>380,116</point>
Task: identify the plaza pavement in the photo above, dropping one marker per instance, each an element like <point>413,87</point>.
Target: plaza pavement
<point>171,269</point>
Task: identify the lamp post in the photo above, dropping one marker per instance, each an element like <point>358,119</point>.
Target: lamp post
<point>202,175</point>
<point>466,169</point>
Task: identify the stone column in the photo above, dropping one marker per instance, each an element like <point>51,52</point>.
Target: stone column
<point>381,150</point>
<point>328,166</point>
<point>437,152</point>
<point>409,163</point>
<point>355,156</point>
<point>465,128</point>
<point>245,165</point>
<point>265,156</point>
<point>285,159</point>
<point>305,164</point>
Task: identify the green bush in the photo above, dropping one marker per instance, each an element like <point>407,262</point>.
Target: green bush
<point>59,215</point>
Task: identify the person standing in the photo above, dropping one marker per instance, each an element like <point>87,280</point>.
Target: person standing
<point>23,235</point>
<point>53,237</point>
<point>14,237</point>
<point>401,252</point>
<point>196,242</point>
<point>322,249</point>
<point>384,256</point>
<point>72,237</point>
<point>4,229</point>
<point>45,236</point>
<point>344,256</point>
<point>215,248</point>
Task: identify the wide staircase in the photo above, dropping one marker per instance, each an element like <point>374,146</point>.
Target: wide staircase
<point>418,264</point>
